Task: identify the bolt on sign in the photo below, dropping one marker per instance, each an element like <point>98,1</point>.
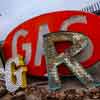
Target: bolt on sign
<point>27,39</point>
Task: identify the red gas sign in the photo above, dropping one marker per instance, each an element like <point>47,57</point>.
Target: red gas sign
<point>27,39</point>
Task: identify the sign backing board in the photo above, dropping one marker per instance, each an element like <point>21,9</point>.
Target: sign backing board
<point>26,39</point>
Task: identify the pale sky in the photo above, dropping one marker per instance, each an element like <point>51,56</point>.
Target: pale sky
<point>14,12</point>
